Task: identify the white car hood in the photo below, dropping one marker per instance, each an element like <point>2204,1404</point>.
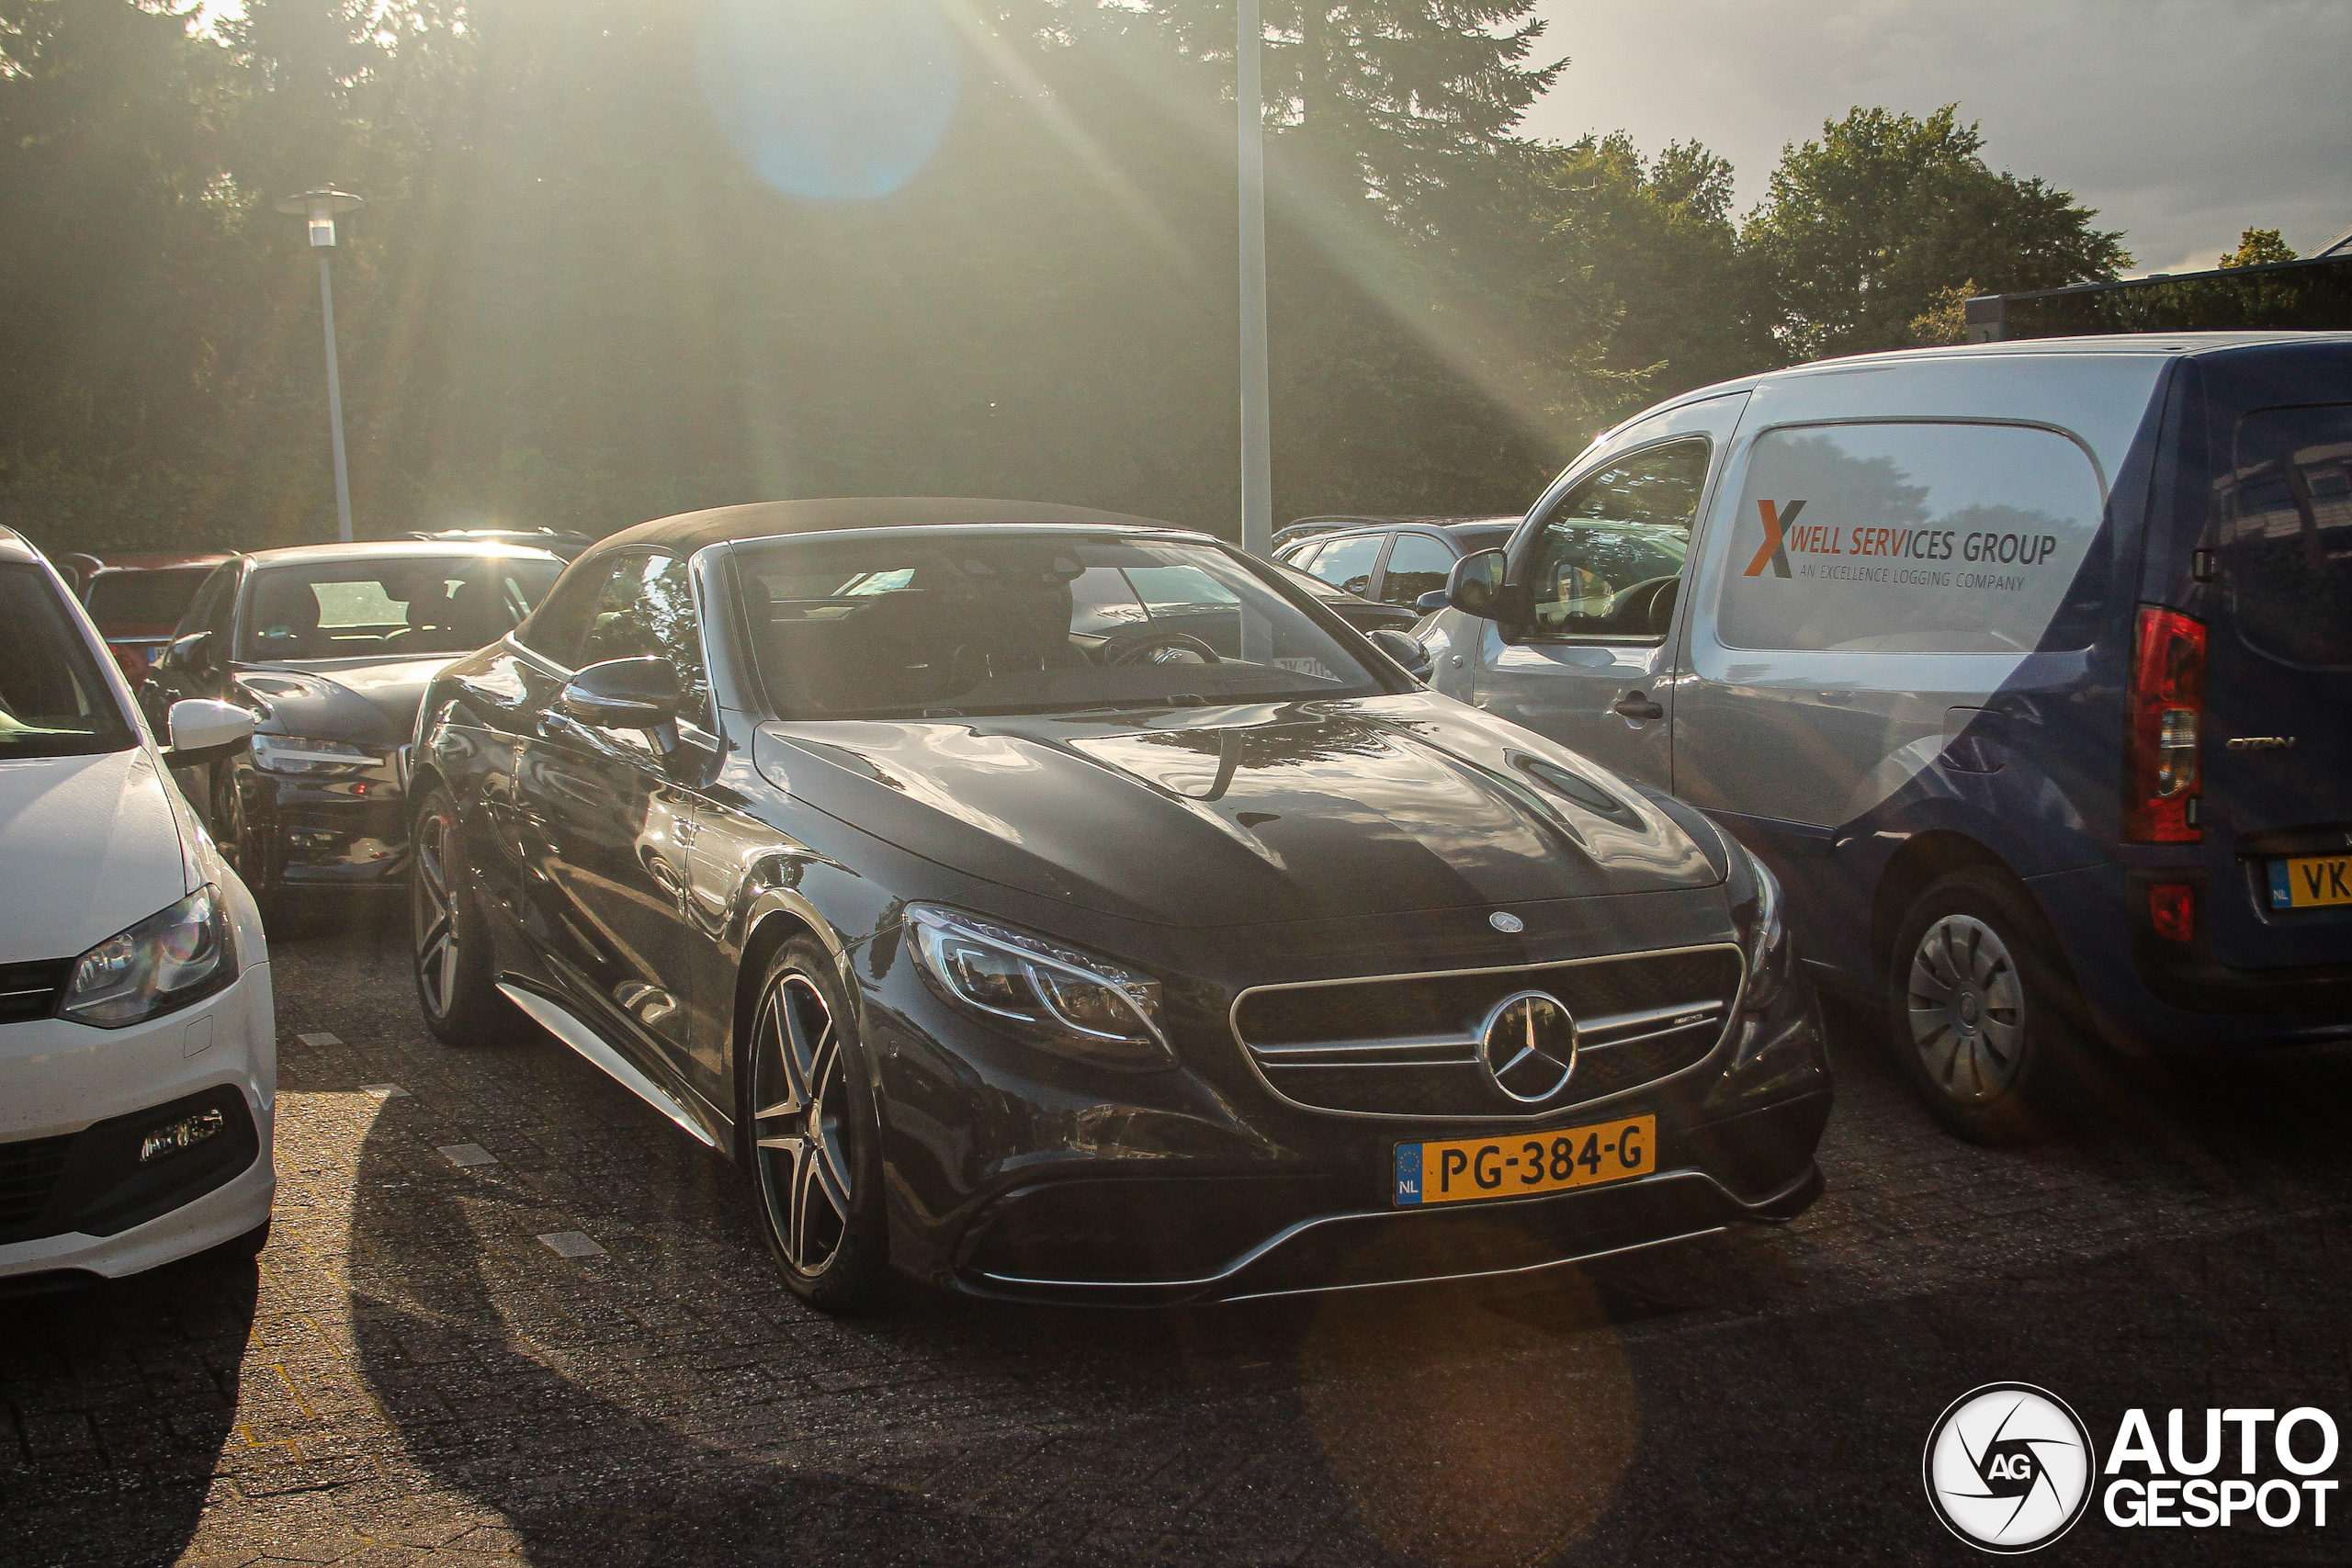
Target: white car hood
<point>88,845</point>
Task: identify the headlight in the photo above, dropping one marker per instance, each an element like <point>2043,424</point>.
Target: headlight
<point>324,759</point>
<point>165,961</point>
<point>1056,997</point>
<point>1770,953</point>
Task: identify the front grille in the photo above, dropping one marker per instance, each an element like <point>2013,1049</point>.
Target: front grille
<point>1407,1045</point>
<point>28,1172</point>
<point>29,990</point>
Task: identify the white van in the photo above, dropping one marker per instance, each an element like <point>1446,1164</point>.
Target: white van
<point>137,1041</point>
<point>2028,666</point>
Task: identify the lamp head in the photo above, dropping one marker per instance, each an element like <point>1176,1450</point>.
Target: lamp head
<point>319,207</point>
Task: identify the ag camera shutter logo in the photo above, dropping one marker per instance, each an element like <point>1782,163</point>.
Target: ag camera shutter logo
<point>2008,1468</point>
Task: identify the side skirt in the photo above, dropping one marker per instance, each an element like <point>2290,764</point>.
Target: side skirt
<point>586,1041</point>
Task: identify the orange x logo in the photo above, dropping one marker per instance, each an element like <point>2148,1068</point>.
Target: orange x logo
<point>1776,526</point>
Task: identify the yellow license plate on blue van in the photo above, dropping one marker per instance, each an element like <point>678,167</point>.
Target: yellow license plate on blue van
<point>1462,1170</point>
<point>2311,882</point>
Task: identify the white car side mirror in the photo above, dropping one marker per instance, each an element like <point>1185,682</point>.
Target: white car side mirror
<point>206,731</point>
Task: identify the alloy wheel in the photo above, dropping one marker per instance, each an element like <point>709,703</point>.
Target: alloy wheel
<point>436,903</point>
<point>1966,1008</point>
<point>800,1099</point>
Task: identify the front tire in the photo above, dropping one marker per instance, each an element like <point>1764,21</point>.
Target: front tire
<point>456,986</point>
<point>815,1156</point>
<point>1982,1013</point>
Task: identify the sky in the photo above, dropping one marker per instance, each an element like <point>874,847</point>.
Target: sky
<point>2182,121</point>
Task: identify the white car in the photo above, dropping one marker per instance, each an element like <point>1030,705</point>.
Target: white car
<point>138,1042</point>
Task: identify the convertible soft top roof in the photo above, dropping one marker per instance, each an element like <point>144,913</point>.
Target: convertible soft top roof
<point>690,531</point>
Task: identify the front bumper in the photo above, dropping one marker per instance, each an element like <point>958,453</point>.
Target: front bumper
<point>1200,1185</point>
<point>321,833</point>
<point>76,1203</point>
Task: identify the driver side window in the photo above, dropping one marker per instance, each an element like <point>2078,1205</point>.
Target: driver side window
<point>1610,559</point>
<point>647,608</point>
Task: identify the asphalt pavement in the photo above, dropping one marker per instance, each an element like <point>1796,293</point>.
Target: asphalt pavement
<point>510,1314</point>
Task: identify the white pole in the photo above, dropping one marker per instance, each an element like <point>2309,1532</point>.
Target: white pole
<point>335,408</point>
<point>1257,441</point>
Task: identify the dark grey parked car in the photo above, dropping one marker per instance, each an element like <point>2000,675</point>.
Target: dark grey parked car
<point>1055,905</point>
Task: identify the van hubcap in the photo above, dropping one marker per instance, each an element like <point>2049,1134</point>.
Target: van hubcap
<point>798,1098</point>
<point>1966,1008</point>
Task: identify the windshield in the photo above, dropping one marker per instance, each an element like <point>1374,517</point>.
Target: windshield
<point>925,624</point>
<point>53,700</point>
<point>144,598</point>
<point>405,607</point>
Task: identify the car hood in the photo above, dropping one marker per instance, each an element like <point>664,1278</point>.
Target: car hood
<point>1239,816</point>
<point>342,700</point>
<point>91,846</point>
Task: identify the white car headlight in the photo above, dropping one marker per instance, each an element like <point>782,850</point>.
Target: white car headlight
<point>1061,998</point>
<point>170,959</point>
<point>293,754</point>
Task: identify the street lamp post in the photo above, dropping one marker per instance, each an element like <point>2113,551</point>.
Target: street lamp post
<point>320,208</point>
<point>1257,441</point>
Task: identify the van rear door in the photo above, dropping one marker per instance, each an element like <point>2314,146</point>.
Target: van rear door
<point>2277,790</point>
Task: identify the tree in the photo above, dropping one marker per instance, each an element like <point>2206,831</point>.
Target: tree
<point>1652,250</point>
<point>1860,231</point>
<point>2258,247</point>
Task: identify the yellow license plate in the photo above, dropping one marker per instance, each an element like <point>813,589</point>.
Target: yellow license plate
<point>1466,1169</point>
<point>2311,882</point>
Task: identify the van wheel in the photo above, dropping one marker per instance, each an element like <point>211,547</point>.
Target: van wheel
<point>1982,1013</point>
<point>456,987</point>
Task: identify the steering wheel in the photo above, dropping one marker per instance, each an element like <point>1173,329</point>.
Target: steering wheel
<point>1636,606</point>
<point>1149,647</point>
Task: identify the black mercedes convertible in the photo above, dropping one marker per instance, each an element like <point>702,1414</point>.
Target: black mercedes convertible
<point>1055,905</point>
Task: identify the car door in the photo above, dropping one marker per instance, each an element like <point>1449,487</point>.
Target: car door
<point>1604,562</point>
<point>1417,563</point>
<point>616,825</point>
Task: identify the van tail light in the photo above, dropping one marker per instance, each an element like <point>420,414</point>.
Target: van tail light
<point>2167,716</point>
<point>2172,910</point>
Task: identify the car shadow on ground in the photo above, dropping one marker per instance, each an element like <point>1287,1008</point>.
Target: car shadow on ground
<point>126,1394</point>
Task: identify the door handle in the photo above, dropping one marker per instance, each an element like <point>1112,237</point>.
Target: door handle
<point>1633,705</point>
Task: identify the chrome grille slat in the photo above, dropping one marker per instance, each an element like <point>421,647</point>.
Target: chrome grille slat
<point>1394,1046</point>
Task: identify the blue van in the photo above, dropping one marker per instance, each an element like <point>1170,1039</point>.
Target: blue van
<point>2025,666</point>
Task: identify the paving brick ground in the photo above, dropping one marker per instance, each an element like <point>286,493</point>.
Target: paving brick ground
<point>419,1373</point>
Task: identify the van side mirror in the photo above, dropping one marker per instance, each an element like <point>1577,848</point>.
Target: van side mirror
<point>205,731</point>
<point>192,652</point>
<point>1476,586</point>
<point>626,693</point>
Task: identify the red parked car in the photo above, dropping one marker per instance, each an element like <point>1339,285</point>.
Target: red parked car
<point>138,601</point>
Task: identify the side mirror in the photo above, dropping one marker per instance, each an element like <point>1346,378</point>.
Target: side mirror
<point>1433,602</point>
<point>206,731</point>
<point>193,651</point>
<point>1476,586</point>
<point>626,693</point>
<point>1406,649</point>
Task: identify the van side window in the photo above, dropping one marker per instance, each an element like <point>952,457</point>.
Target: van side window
<point>2287,534</point>
<point>1919,537</point>
<point>1610,559</point>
